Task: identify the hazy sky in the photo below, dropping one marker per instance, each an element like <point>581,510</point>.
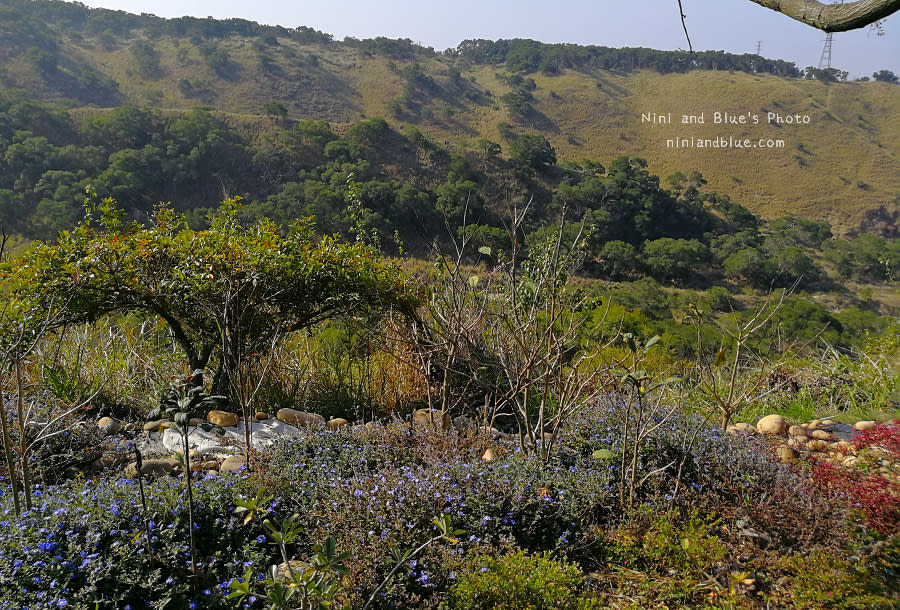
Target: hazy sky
<point>731,25</point>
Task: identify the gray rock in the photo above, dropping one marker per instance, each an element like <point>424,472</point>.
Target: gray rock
<point>842,432</point>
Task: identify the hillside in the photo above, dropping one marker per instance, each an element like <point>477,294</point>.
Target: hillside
<point>840,165</point>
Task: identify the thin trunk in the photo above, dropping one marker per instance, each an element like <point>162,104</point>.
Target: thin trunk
<point>190,496</point>
<point>10,461</point>
<point>23,440</point>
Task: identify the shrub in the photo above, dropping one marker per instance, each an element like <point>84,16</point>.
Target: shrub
<point>519,581</point>
<point>877,497</point>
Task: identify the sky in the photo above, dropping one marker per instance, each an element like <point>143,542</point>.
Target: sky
<point>737,26</point>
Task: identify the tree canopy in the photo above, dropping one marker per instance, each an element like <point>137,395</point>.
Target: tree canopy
<point>224,292</point>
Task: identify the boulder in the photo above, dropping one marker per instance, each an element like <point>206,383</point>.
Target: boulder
<point>772,425</point>
<point>226,419</point>
<point>109,425</point>
<point>152,467</point>
<point>862,426</point>
<point>261,416</point>
<point>233,463</point>
<point>431,418</point>
<point>488,455</point>
<point>299,418</point>
<point>338,422</point>
<point>740,428</point>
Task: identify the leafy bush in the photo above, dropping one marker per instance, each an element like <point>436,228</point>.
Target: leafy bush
<point>519,581</point>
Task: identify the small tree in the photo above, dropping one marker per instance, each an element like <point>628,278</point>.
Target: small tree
<point>521,334</point>
<point>225,292</point>
<point>23,324</point>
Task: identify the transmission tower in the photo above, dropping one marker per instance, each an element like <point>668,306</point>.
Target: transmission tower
<point>759,47</point>
<point>825,59</point>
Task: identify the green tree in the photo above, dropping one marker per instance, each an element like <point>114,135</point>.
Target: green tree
<point>224,292</point>
<point>532,151</point>
<point>674,259</point>
<point>886,76</point>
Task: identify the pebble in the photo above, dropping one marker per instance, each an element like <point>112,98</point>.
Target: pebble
<point>797,431</point>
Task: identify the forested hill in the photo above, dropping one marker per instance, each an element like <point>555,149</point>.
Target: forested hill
<point>839,160</point>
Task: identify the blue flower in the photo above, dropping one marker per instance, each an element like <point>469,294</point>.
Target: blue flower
<point>193,605</point>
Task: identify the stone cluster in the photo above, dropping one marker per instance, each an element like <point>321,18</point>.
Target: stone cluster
<point>822,440</point>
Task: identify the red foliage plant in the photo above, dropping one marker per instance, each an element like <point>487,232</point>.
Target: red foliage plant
<point>884,436</point>
<point>877,496</point>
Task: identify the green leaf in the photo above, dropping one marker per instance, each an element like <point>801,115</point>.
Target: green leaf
<point>486,250</point>
<point>473,281</point>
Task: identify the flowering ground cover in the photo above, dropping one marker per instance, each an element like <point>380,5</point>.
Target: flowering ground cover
<point>715,522</point>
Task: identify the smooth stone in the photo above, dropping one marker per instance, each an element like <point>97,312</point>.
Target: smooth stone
<point>740,428</point>
<point>786,454</point>
<point>338,422</point>
<point>488,455</point>
<point>299,418</point>
<point>154,426</point>
<point>262,434</point>
<point>160,466</point>
<point>261,416</point>
<point>843,432</point>
<point>109,425</point>
<point>233,463</point>
<point>862,426</point>
<point>821,435</point>
<point>772,425</point>
<point>797,431</point>
<point>817,445</point>
<point>431,418</point>
<point>226,419</point>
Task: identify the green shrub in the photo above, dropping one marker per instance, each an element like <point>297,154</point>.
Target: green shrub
<point>669,542</point>
<point>519,581</point>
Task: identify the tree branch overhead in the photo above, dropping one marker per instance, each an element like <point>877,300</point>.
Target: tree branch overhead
<point>834,17</point>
